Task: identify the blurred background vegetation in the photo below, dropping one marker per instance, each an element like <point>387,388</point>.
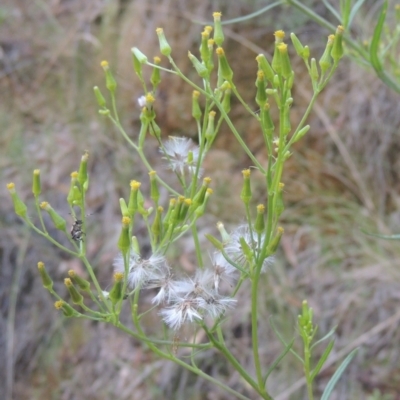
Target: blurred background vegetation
<point>343,176</point>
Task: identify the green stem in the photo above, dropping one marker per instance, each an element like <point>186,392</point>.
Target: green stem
<point>141,154</point>
<point>223,113</point>
<point>229,356</point>
<point>197,246</point>
<point>183,364</point>
<point>95,282</point>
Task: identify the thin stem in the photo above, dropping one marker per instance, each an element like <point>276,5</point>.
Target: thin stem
<point>239,368</point>
<point>178,361</point>
<point>95,282</point>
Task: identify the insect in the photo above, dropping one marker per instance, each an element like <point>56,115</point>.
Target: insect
<point>76,231</point>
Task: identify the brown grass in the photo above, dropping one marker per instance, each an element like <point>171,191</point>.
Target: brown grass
<point>343,176</point>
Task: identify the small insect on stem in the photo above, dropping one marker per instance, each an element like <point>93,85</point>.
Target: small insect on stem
<point>76,231</point>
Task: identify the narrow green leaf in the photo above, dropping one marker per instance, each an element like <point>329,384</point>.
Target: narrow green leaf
<point>282,340</point>
<point>354,11</point>
<point>278,360</point>
<point>328,335</point>
<point>322,360</point>
<point>345,9</point>
<point>332,10</point>
<point>388,237</point>
<point>252,15</point>
<point>376,38</point>
<point>332,382</point>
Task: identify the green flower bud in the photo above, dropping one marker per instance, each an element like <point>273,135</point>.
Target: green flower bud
<point>200,195</point>
<point>111,84</point>
<point>201,69</point>
<point>36,186</point>
<point>156,228</point>
<point>155,130</point>
<point>314,70</point>
<point>226,101</point>
<point>58,221</point>
<point>224,70</point>
<point>124,208</point>
<point>67,310</point>
<point>246,195</point>
<point>204,50</point>
<point>76,297</point>
<point>139,57</point>
<point>259,225</point>
<point>19,206</point>
<point>71,193</point>
<point>325,61</point>
<point>210,62</point>
<point>285,61</point>
<point>167,218</point>
<point>337,48</point>
<point>135,245</point>
<point>306,53</point>
<point>261,96</point>
<point>224,234</point>
<point>154,192</point>
<point>218,33</point>
<point>184,209</point>
<point>143,128</point>
<point>263,64</point>
<point>46,280</point>
<point>116,294</point>
<point>124,238</point>
<point>276,60</point>
<point>266,119</point>
<point>137,65</point>
<point>210,131</point>
<point>297,44</point>
<point>165,48</point>
<point>196,110</point>
<point>177,210</point>
<point>301,133</point>
<point>133,205</point>
<point>82,283</point>
<point>200,210</point>
<point>155,75</point>
<point>215,242</point>
<point>101,101</point>
<point>82,173</point>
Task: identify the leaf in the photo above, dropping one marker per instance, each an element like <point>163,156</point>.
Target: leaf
<point>282,340</point>
<point>378,235</point>
<point>354,11</point>
<point>252,15</point>
<point>322,360</point>
<point>329,334</point>
<point>278,360</point>
<point>376,38</point>
<point>332,382</point>
<point>332,10</point>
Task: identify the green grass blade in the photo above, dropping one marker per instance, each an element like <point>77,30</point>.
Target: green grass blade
<point>332,382</point>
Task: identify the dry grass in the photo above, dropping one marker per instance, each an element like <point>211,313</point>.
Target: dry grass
<point>343,176</point>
